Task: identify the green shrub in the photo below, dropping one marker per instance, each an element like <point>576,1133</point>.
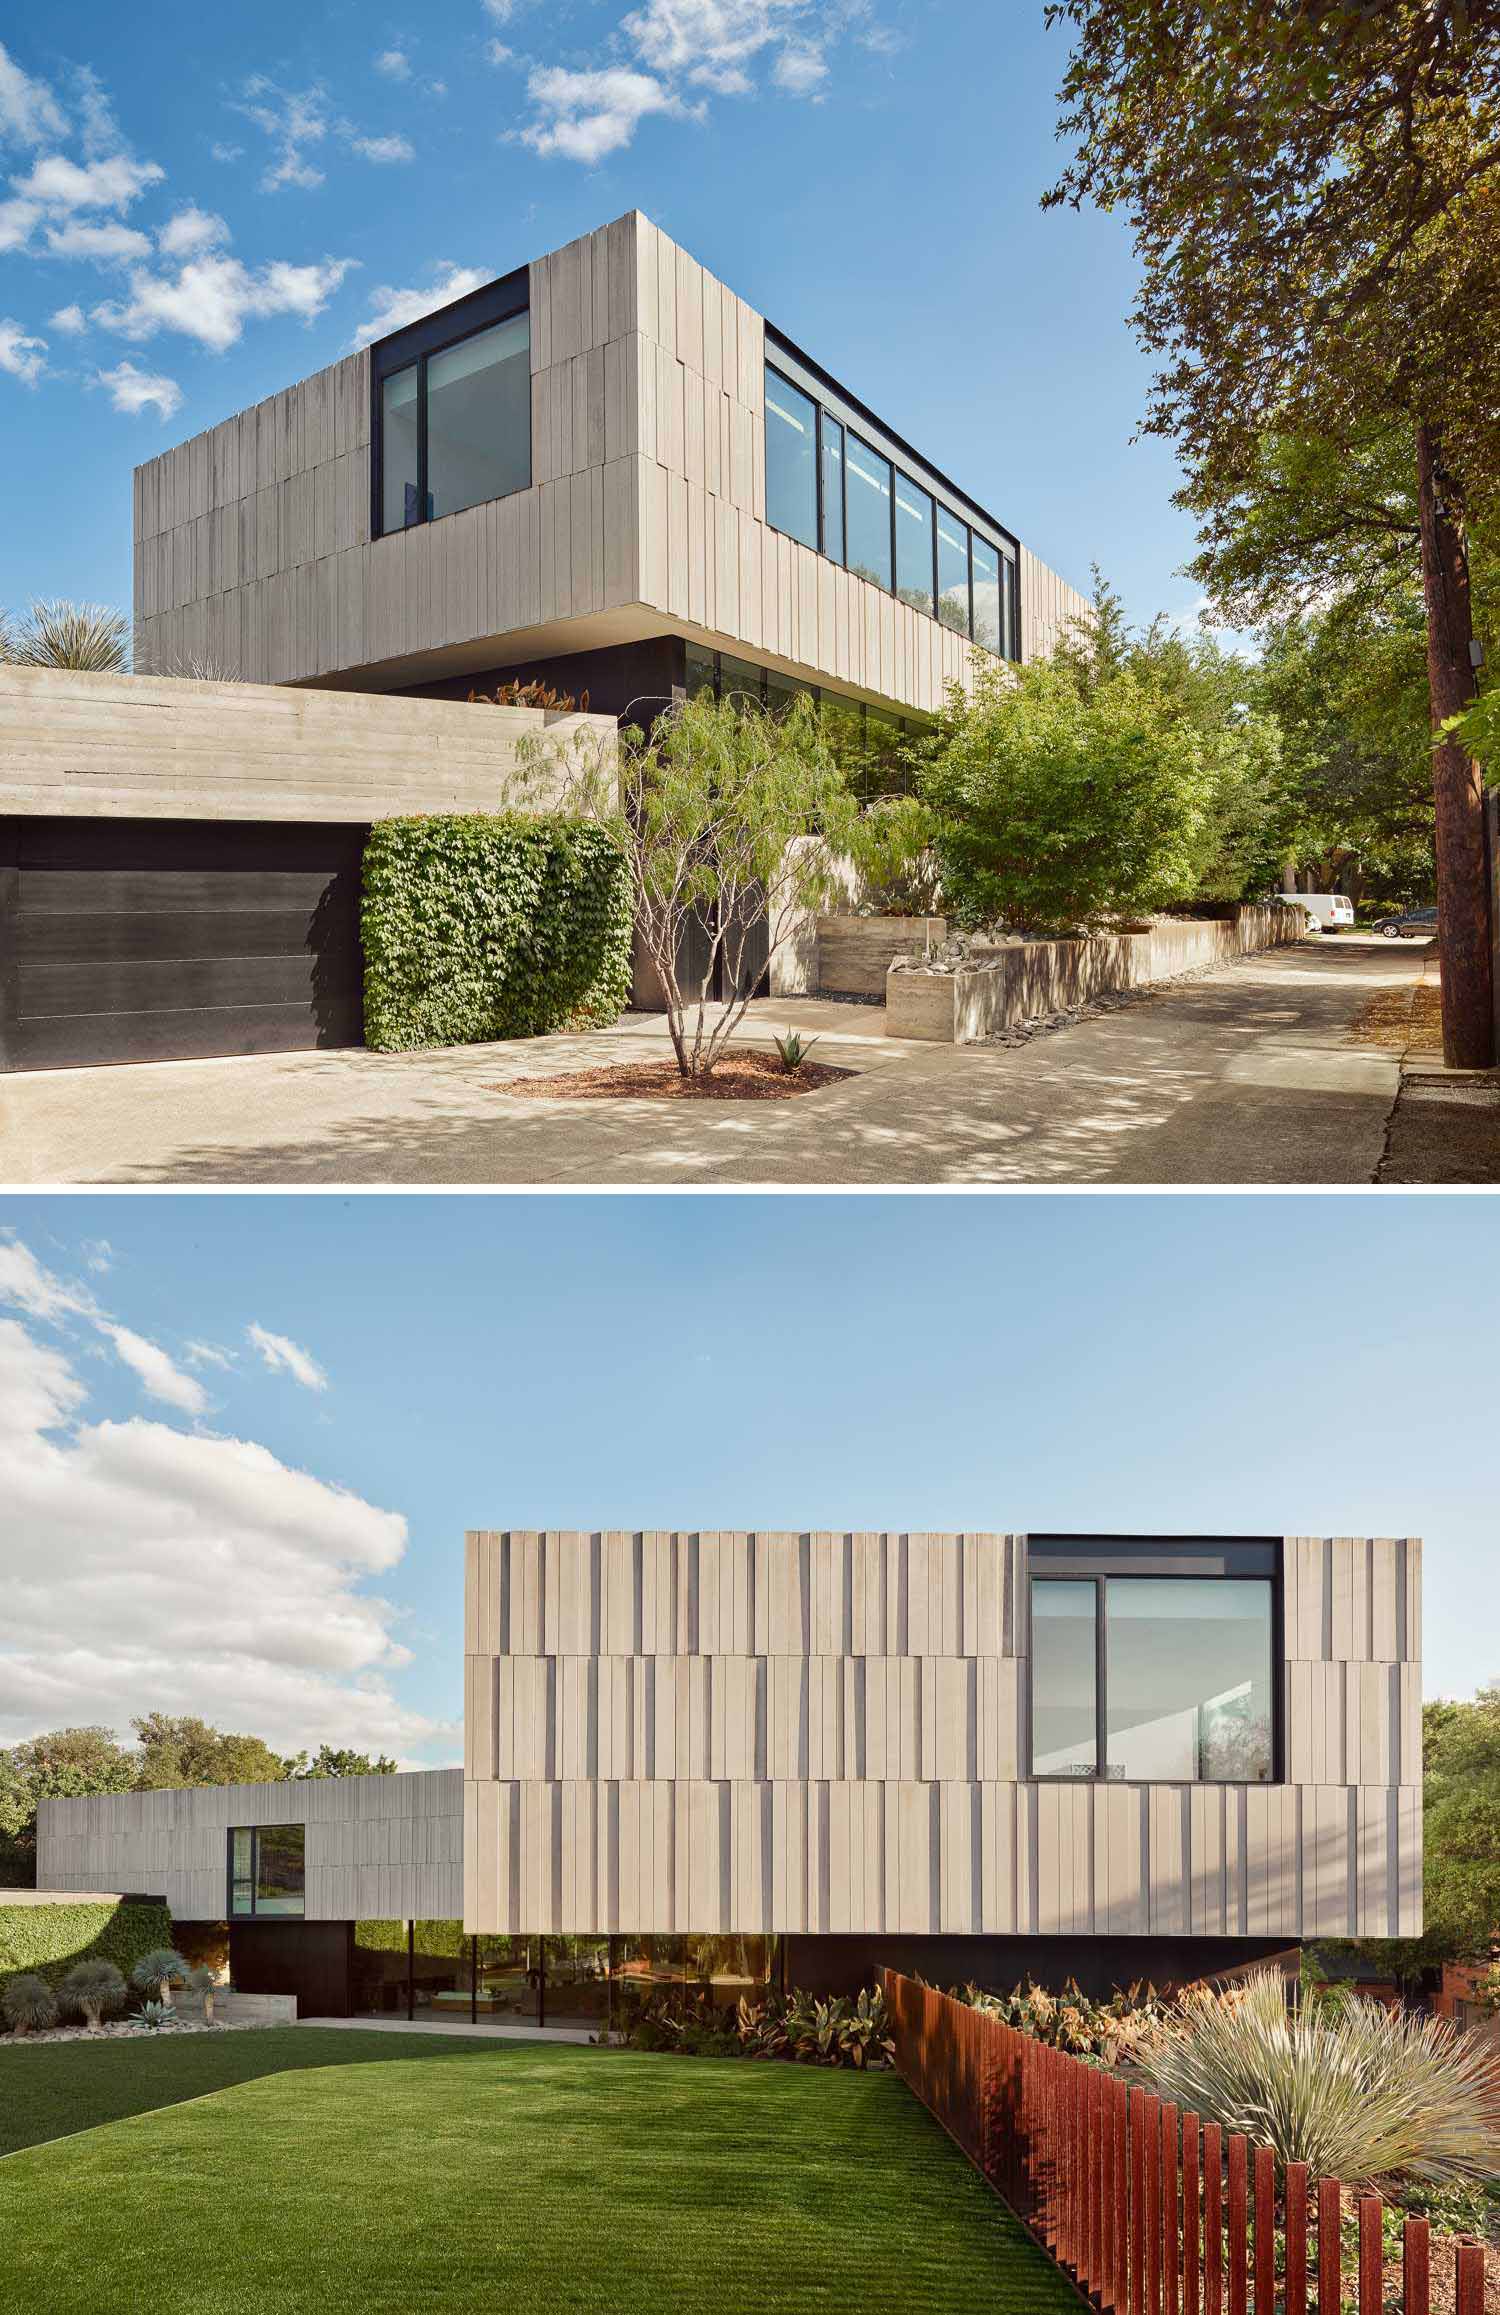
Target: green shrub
<point>486,925</point>
<point>49,1939</point>
<point>1071,2020</point>
<point>28,2004</point>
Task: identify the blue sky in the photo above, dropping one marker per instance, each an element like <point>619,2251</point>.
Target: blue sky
<point>242,1437</point>
<point>197,206</point>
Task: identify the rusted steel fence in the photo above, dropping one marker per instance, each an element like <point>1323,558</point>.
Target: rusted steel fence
<point>1150,2211</point>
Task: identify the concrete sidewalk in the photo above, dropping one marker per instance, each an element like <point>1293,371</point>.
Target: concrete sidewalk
<point>1246,1075</point>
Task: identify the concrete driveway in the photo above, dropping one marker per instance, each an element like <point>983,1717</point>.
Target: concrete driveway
<point>1247,1075</point>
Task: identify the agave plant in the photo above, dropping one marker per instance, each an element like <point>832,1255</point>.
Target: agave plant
<point>154,2015</point>
<point>28,2004</point>
<point>158,1971</point>
<point>91,1988</point>
<point>86,636</point>
<point>1355,2090</point>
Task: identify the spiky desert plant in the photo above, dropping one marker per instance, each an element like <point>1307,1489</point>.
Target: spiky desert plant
<point>28,2004</point>
<point>202,1981</point>
<point>1355,2090</point>
<point>91,1988</point>
<point>158,1971</point>
<point>86,636</point>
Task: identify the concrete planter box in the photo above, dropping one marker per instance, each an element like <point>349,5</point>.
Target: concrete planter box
<point>855,953</point>
<point>1030,978</point>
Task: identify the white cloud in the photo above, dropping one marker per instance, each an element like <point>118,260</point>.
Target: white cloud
<point>191,230</point>
<point>147,1567</point>
<point>210,298</point>
<point>98,1254</point>
<point>584,116</point>
<point>501,10</point>
<point>384,148</point>
<point>111,244</point>
<point>208,1354</point>
<point>111,183</point>
<point>293,119</point>
<point>394,308</point>
<point>226,153</point>
<point>17,218</point>
<point>800,68</point>
<point>133,390</point>
<point>498,53</point>
<point>284,1356</point>
<point>394,63</point>
<point>69,319</point>
<point>29,112</point>
<point>21,356</point>
<point>39,1291</point>
<point>158,1374</point>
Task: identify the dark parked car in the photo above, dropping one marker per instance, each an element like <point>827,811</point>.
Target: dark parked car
<point>1416,923</point>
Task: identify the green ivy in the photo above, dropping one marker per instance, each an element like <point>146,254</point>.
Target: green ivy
<point>485,925</point>
<point>50,1938</point>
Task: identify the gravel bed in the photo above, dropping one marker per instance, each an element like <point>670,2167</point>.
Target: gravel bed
<point>132,2030</point>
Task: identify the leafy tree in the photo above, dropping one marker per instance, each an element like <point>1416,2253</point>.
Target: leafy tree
<point>62,1765</point>
<point>731,817</point>
<point>186,1751</point>
<point>1062,803</point>
<point>1314,189</point>
<point>340,1760</point>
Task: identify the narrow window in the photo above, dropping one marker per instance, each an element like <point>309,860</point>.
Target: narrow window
<point>833,488</point>
<point>869,512</point>
<point>1064,1678</point>
<point>400,481</point>
<point>1010,608</point>
<point>914,551</point>
<point>986,594</point>
<point>479,418</point>
<point>791,460</point>
<point>953,571</point>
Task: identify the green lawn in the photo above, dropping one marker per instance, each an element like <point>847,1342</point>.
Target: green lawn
<point>290,2169</point>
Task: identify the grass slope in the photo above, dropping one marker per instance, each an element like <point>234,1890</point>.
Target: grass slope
<point>380,2173</point>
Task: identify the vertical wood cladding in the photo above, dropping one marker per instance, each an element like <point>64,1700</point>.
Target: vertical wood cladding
<point>646,509</point>
<point>817,1733</point>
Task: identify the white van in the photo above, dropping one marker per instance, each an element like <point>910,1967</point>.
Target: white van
<point>1330,911</point>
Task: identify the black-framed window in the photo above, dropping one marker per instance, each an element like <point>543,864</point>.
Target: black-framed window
<point>451,409</point>
<point>267,1872</point>
<point>1155,1666</point>
<point>835,492</point>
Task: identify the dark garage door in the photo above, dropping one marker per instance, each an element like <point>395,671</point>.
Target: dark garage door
<point>160,940</point>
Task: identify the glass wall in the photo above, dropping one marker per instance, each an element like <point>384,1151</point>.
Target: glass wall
<point>398,455</point>
<point>791,460</point>
<point>1174,1686</point>
<point>267,1871</point>
<point>869,745</point>
<point>833,491</point>
<point>432,1969</point>
<point>455,425</point>
<point>833,487</point>
<point>914,545</point>
<point>868,516</point>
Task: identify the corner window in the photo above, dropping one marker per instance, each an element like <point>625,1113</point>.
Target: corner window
<point>452,411</point>
<point>986,594</point>
<point>791,460</point>
<point>1152,1677</point>
<point>267,1871</point>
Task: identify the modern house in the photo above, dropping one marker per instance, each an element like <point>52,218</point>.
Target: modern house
<point>727,1759</point>
<point>604,471</point>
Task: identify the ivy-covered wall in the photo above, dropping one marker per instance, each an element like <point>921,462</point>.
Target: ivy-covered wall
<point>50,1938</point>
<point>481,925</point>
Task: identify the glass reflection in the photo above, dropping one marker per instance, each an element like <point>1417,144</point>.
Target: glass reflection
<point>1188,1686</point>
<point>791,460</point>
<point>913,545</point>
<point>1064,1678</point>
<point>868,517</point>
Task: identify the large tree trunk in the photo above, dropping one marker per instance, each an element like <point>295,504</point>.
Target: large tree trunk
<point>1458,790</point>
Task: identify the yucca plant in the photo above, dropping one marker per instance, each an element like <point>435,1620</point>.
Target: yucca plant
<point>1357,2091</point>
<point>158,1971</point>
<point>202,1982</point>
<point>28,2004</point>
<point>91,1988</point>
<point>86,636</point>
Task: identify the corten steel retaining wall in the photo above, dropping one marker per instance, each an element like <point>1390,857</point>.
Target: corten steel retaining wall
<point>1035,977</point>
<point>1147,2210</point>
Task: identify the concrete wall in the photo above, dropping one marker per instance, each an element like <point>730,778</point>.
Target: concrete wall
<point>384,1847</point>
<point>823,1733</point>
<point>171,748</point>
<point>645,514</point>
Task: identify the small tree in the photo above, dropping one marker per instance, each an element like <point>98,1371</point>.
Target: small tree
<point>28,2004</point>
<point>732,818</point>
<point>1061,806</point>
<point>91,1988</point>
<point>158,1971</point>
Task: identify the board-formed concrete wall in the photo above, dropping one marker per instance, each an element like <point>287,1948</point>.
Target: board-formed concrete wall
<point>645,515</point>
<point>169,747</point>
<point>824,1733</point>
<point>378,1847</point>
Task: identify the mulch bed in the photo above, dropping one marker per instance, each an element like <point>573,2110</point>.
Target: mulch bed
<point>738,1077</point>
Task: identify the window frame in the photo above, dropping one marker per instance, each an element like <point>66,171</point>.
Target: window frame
<point>1240,1559</point>
<point>231,1913</point>
<point>467,317</point>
